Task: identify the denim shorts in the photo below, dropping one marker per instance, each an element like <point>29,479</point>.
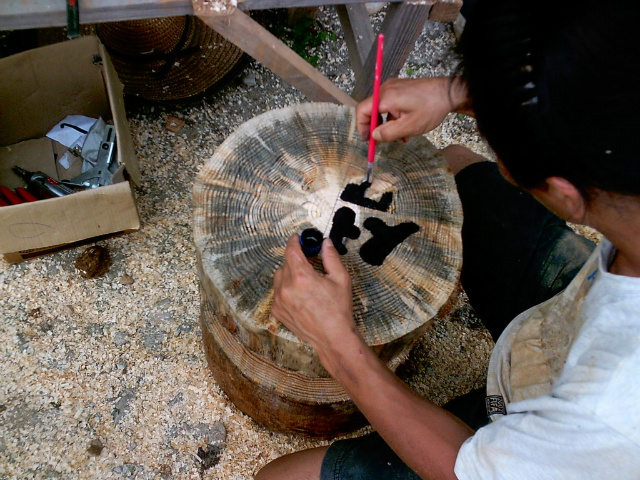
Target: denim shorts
<point>361,458</point>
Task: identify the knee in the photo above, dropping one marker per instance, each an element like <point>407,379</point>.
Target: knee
<point>459,157</point>
<point>305,464</point>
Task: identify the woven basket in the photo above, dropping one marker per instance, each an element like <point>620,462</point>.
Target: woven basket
<point>172,58</point>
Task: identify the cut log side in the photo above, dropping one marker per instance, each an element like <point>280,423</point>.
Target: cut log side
<point>278,174</point>
<point>281,399</point>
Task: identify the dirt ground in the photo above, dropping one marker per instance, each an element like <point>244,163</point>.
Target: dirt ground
<point>106,378</point>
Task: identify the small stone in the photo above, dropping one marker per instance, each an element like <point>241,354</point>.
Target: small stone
<point>250,80</point>
<point>95,329</point>
<point>125,279</point>
<point>209,456</point>
<point>120,338</point>
<point>215,434</point>
<point>93,262</point>
<point>162,312</point>
<point>122,406</point>
<point>153,338</point>
<point>95,447</point>
<point>128,469</point>
<point>183,328</point>
<point>46,327</point>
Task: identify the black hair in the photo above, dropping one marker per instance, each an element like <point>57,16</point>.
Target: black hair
<point>556,89</point>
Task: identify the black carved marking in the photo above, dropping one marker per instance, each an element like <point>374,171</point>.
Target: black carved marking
<point>343,227</point>
<point>355,194</point>
<point>384,240</point>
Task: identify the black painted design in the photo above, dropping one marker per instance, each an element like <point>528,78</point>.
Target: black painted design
<point>343,227</point>
<point>384,239</point>
<point>355,194</point>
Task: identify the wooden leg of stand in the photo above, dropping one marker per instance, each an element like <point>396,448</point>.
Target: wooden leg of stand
<point>358,33</point>
<point>402,25</point>
<point>240,29</point>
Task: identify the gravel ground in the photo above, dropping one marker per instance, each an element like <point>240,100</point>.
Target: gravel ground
<point>106,378</point>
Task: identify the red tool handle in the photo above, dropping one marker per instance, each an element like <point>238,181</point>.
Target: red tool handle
<point>10,196</point>
<point>3,203</point>
<point>376,99</point>
<point>26,195</point>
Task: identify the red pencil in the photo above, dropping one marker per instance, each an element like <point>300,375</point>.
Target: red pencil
<point>374,109</point>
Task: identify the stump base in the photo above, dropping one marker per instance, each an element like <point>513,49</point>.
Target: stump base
<point>278,405</point>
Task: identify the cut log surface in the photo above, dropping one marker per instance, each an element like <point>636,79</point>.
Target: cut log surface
<point>285,171</point>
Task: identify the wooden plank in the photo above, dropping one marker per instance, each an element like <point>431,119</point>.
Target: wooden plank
<point>445,11</point>
<point>20,14</point>
<point>401,27</point>
<point>240,29</point>
<point>264,4</point>
<point>358,33</point>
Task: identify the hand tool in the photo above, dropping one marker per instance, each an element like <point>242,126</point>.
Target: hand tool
<point>10,196</point>
<point>374,108</point>
<point>99,175</point>
<point>26,195</point>
<point>42,184</point>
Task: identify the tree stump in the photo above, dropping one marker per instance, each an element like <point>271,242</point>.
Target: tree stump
<point>278,174</point>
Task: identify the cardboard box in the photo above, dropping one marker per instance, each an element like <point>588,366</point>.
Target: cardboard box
<point>38,89</point>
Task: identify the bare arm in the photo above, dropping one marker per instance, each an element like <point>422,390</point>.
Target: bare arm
<point>414,106</point>
<point>318,309</point>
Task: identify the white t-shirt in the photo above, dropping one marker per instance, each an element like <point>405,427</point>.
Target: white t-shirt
<point>575,414</point>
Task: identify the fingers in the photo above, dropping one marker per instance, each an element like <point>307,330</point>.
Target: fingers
<point>293,253</point>
<point>363,117</point>
<point>396,129</point>
<point>294,260</point>
<point>332,263</point>
<point>398,101</point>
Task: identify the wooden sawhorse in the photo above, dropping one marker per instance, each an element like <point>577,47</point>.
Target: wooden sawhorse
<point>402,25</point>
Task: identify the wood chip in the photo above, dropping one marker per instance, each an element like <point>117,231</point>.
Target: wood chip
<point>174,124</point>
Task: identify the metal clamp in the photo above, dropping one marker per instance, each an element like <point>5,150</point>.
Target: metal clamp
<point>99,175</point>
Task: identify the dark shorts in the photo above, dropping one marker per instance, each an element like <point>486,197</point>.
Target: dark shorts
<point>516,254</point>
